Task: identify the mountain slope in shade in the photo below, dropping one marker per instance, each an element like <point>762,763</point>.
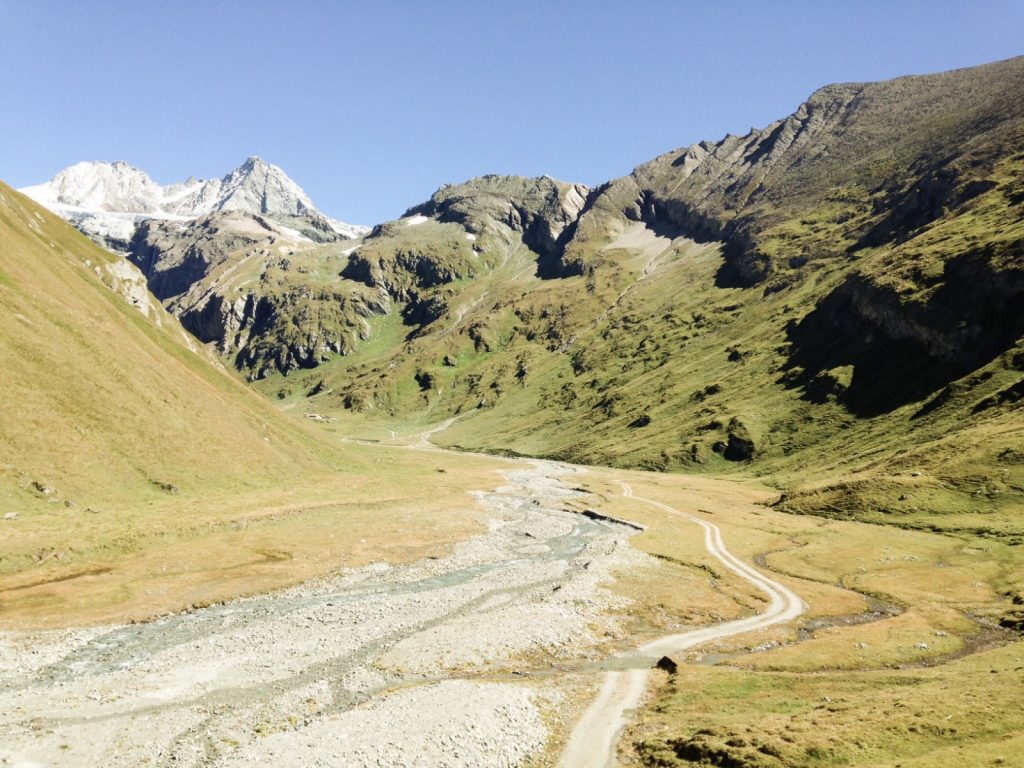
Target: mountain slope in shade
<point>109,200</point>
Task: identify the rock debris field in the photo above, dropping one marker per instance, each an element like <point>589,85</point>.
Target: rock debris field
<point>380,666</point>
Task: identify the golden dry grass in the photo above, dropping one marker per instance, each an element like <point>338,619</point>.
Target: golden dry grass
<point>138,477</point>
<point>136,561</point>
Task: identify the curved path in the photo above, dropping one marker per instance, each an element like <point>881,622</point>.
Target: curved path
<point>593,741</point>
<point>365,667</point>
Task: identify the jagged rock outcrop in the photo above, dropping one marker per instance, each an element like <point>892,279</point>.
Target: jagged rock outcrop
<point>402,272</point>
<point>541,210</point>
<point>288,330</point>
<point>175,256</point>
<point>445,240</point>
<point>839,155</point>
<point>230,278</point>
<point>127,280</point>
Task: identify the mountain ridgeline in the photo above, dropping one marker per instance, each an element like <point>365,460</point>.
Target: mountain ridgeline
<point>844,286</point>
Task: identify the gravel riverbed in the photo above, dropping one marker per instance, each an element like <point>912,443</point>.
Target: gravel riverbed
<point>380,666</point>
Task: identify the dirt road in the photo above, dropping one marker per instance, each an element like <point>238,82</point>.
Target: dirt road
<point>410,665</point>
<point>592,743</point>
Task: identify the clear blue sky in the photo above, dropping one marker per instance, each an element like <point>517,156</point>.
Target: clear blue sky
<point>372,105</point>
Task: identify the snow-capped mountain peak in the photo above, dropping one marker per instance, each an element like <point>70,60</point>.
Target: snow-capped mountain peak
<point>114,186</point>
<point>259,187</point>
<point>109,200</point>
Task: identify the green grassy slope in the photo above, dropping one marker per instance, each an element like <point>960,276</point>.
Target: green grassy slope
<point>100,404</point>
<point>139,476</point>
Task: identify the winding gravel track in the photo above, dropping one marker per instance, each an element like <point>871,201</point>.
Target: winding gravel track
<point>592,743</point>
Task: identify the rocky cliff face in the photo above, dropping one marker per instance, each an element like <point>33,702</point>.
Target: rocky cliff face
<point>127,280</point>
<point>542,210</point>
<point>230,278</point>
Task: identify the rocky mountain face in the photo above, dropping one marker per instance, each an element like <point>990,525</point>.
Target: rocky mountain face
<point>191,239</point>
<point>868,165</point>
<point>273,300</point>
<point>243,283</point>
<point>109,201</point>
<point>542,211</point>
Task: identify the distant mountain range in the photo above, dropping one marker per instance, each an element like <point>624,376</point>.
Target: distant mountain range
<point>109,200</point>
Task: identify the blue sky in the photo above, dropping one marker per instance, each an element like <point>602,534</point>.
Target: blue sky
<point>370,106</point>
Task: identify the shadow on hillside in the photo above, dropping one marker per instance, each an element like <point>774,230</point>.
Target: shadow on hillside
<point>841,350</point>
<point>868,373</point>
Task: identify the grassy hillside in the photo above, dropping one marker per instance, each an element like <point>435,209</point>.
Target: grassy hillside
<point>101,403</point>
<point>138,476</point>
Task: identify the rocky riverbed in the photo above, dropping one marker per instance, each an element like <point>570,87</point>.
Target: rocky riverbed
<point>377,666</point>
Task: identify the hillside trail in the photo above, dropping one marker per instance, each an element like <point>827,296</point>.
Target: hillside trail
<point>592,743</point>
<point>422,439</point>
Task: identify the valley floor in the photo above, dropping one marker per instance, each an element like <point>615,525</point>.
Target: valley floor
<point>489,654</point>
<point>380,665</point>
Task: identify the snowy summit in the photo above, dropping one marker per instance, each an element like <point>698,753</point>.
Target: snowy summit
<point>109,200</point>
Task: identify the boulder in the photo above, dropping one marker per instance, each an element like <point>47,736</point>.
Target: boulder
<point>667,664</point>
